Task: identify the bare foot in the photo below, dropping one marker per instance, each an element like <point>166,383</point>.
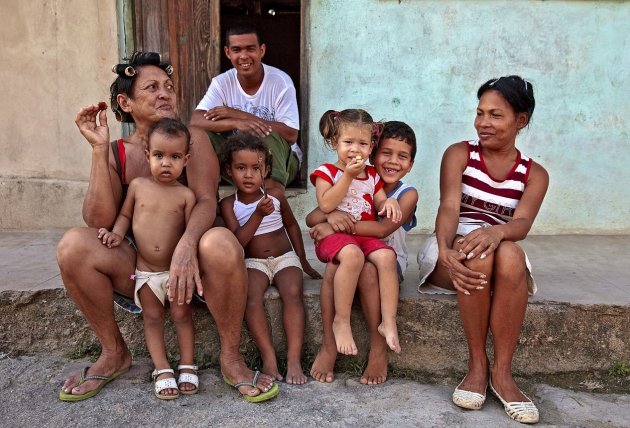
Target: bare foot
<point>390,332</point>
<point>235,371</point>
<point>106,365</point>
<point>376,370</point>
<point>343,338</point>
<point>271,368</point>
<point>295,374</point>
<point>324,364</point>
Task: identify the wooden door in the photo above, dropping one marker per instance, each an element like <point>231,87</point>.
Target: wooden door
<point>189,33</point>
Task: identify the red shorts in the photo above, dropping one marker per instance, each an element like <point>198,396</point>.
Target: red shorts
<point>327,248</point>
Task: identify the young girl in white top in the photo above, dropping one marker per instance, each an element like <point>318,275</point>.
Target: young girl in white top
<point>354,187</point>
<point>261,221</point>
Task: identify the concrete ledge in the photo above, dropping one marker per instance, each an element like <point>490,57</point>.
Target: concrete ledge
<point>559,336</point>
<point>556,338</point>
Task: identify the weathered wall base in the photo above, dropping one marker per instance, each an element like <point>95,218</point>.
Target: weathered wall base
<point>556,338</point>
<point>36,203</point>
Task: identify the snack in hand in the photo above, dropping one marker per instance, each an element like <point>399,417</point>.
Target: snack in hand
<point>358,157</point>
<point>102,105</point>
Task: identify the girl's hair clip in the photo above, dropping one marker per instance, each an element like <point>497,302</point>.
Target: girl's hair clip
<point>335,114</point>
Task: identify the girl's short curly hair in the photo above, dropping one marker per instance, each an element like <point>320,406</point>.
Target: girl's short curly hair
<point>242,141</point>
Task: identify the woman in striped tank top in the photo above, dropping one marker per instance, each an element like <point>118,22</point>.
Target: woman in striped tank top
<point>490,196</point>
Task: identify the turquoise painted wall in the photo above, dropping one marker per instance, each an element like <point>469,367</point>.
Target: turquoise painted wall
<point>422,62</point>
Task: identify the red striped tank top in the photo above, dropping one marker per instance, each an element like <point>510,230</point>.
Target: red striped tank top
<point>486,200</point>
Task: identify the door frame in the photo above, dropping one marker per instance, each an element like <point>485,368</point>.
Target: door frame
<point>193,36</point>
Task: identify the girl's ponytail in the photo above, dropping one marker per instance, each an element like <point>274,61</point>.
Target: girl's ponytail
<point>328,126</point>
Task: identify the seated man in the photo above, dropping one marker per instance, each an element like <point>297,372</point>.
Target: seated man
<point>255,98</point>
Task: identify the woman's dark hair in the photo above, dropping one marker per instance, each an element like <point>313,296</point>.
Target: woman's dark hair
<point>127,73</point>
<point>400,131</point>
<point>518,92</point>
<point>171,127</point>
<point>242,141</point>
<point>332,121</point>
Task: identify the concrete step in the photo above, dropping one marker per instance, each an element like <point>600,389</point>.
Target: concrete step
<point>577,322</point>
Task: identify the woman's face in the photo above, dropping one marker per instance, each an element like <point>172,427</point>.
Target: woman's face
<point>496,123</point>
<point>153,96</point>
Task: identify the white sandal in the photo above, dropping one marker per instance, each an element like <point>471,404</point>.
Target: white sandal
<point>468,399</point>
<point>188,378</point>
<point>168,383</point>
<point>521,411</point>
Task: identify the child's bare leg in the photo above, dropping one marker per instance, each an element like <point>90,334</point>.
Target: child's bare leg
<point>376,370</point>
<point>153,317</point>
<point>257,321</point>
<point>185,329</point>
<point>385,262</point>
<point>351,261</point>
<point>289,284</point>
<point>324,364</point>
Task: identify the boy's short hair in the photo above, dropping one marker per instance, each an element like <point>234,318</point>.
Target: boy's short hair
<point>242,27</point>
<point>400,131</point>
<point>171,128</point>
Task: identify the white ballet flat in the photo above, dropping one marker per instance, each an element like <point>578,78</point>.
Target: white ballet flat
<point>468,399</point>
<point>521,411</point>
<point>188,378</point>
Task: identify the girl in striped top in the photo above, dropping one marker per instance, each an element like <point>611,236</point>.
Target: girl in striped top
<point>490,196</point>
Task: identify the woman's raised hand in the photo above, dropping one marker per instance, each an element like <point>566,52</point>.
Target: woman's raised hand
<point>96,132</point>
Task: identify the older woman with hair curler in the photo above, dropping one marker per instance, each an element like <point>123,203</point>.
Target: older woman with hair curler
<point>95,276</point>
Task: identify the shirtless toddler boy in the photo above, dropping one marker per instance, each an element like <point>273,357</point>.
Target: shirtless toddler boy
<point>158,208</point>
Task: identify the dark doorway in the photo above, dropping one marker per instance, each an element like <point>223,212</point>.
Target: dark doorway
<point>279,23</point>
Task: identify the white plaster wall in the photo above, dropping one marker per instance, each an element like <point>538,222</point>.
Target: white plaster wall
<point>422,62</point>
<point>56,57</point>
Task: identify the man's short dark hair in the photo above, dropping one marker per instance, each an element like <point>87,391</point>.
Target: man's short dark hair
<point>239,28</point>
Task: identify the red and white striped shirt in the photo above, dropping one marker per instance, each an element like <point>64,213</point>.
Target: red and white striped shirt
<point>485,199</point>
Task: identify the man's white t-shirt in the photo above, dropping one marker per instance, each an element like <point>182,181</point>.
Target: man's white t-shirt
<point>274,101</point>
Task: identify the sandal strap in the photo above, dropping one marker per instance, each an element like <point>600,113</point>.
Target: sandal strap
<point>85,377</point>
<point>188,378</point>
<point>187,366</point>
<point>163,384</point>
<point>252,383</point>
<point>157,372</point>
